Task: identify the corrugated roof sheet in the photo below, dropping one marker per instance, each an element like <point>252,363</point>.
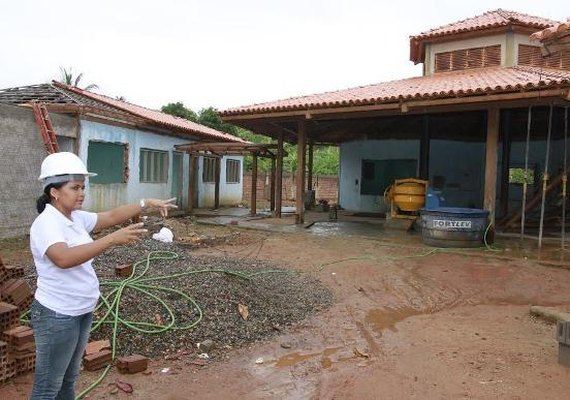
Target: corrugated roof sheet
<point>450,84</point>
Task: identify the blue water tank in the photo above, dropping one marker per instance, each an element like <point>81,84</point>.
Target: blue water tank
<point>434,199</point>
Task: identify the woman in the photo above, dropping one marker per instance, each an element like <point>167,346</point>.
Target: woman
<point>67,287</point>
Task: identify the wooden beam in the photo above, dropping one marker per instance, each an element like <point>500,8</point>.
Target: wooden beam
<point>310,166</point>
<point>279,177</point>
<point>491,165</point>
<point>424,150</point>
<point>191,182</point>
<point>505,161</point>
<point>253,200</point>
<point>272,186</point>
<point>300,184</point>
<point>217,184</point>
<point>394,108</point>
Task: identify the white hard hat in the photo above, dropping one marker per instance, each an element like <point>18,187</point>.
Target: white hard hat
<point>63,163</point>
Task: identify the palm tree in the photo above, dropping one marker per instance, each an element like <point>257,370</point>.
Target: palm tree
<point>68,78</point>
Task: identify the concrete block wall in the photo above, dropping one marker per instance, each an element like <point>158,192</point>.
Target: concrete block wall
<point>22,151</point>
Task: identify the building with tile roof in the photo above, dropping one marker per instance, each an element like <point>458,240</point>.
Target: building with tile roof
<point>132,148</point>
<point>462,125</point>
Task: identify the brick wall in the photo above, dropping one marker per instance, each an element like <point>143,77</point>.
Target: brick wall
<point>22,151</point>
<point>326,187</point>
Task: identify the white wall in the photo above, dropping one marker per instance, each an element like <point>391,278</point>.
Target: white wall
<point>230,193</point>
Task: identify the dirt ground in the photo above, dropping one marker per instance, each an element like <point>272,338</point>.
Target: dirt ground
<point>408,322</point>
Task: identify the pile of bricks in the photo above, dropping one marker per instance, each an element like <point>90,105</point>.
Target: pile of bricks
<point>17,344</point>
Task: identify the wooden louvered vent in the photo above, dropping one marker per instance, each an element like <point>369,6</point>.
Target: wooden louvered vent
<point>532,56</point>
<point>477,57</point>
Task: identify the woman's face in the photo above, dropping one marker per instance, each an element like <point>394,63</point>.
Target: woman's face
<point>70,196</point>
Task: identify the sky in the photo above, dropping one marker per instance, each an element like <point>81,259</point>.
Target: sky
<point>226,53</point>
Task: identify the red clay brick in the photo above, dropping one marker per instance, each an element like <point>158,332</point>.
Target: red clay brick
<point>96,361</point>
<point>124,271</point>
<point>132,364</point>
<point>97,346</point>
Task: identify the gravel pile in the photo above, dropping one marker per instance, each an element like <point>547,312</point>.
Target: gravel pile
<point>273,298</point>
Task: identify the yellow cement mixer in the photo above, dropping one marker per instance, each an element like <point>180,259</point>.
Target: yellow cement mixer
<point>406,197</point>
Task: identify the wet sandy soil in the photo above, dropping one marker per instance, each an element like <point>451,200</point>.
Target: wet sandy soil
<point>408,323</point>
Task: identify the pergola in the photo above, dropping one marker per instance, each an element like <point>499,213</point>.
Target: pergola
<point>220,149</point>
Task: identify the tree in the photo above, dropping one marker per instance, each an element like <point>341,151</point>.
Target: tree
<point>179,110</point>
<point>68,78</point>
<point>210,117</point>
<point>325,158</point>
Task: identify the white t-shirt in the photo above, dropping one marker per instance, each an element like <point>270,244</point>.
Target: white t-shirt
<point>71,291</point>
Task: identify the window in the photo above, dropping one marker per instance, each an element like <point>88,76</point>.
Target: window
<point>153,166</point>
<point>209,170</point>
<point>516,176</point>
<point>109,161</point>
<point>532,55</point>
<point>232,171</point>
<point>477,57</point>
<point>377,175</point>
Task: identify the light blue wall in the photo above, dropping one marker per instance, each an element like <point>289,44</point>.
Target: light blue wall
<point>461,163</point>
<point>101,197</point>
<point>463,166</point>
<point>351,156</point>
<point>230,193</point>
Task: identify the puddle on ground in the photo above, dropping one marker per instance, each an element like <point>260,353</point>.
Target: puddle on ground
<point>387,318</point>
<point>295,358</point>
<point>551,250</point>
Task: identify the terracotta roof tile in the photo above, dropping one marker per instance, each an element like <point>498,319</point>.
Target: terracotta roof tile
<point>450,84</point>
<point>553,32</point>
<point>490,19</point>
<point>155,116</point>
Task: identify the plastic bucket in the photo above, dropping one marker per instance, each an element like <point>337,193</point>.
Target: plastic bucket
<point>453,226</point>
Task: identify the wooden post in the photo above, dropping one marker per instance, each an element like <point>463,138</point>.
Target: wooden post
<point>217,184</point>
<point>505,163</point>
<point>272,186</point>
<point>191,181</point>
<point>253,205</point>
<point>310,166</point>
<point>424,150</point>
<point>300,184</point>
<point>279,177</point>
<point>491,166</point>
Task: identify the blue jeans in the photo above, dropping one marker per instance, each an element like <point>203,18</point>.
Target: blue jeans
<point>60,343</point>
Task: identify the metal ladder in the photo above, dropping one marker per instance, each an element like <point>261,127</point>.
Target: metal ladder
<point>46,128</point>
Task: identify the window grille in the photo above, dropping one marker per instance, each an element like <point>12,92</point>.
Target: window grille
<point>477,57</point>
<point>153,166</point>
<point>209,170</point>
<point>232,171</point>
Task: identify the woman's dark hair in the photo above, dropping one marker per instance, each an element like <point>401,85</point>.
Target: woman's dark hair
<point>45,198</point>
